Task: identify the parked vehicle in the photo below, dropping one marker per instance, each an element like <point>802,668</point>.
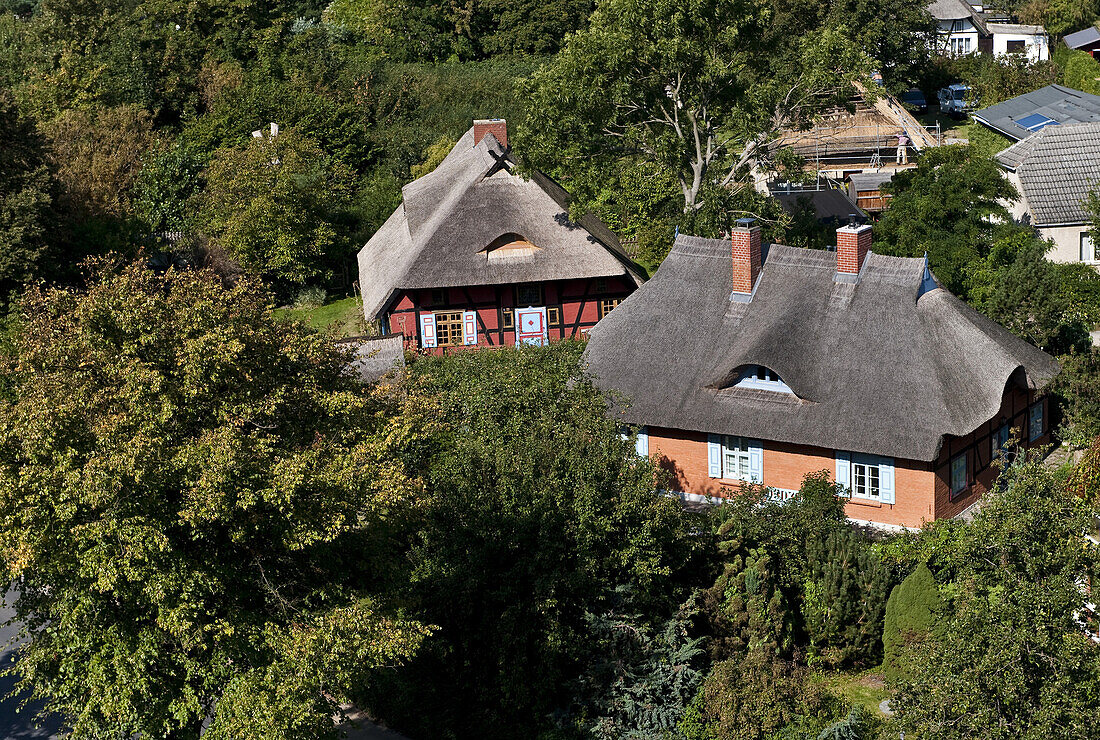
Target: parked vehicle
<point>913,100</point>
<point>956,100</point>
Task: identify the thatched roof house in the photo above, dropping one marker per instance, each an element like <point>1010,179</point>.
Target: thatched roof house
<point>473,222</point>
<point>829,355</point>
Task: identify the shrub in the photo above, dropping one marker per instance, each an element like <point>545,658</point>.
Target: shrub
<point>911,612</point>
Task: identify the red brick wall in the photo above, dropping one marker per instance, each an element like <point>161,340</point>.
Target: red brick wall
<point>577,303</point>
<point>683,457</point>
<point>852,245</point>
<point>746,247</point>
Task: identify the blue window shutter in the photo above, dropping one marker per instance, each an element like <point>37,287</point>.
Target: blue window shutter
<point>844,470</point>
<point>886,480</point>
<point>469,327</point>
<point>756,460</point>
<point>714,456</point>
<point>427,330</point>
<point>642,444</point>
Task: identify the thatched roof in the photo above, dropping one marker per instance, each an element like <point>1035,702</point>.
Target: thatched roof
<point>883,366</point>
<point>377,358</point>
<point>442,233</point>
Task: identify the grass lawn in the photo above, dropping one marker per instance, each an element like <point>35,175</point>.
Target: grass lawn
<point>866,689</point>
<point>344,316</point>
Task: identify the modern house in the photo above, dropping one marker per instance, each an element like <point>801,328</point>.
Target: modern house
<point>748,363</point>
<point>1054,169</point>
<point>1019,117</point>
<point>478,255</point>
<point>1087,40</point>
<point>964,29</point>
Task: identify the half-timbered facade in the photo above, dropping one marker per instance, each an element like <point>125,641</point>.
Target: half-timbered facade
<point>751,363</point>
<point>477,255</point>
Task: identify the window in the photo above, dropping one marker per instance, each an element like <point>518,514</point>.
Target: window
<point>553,316</point>
<point>508,319</point>
<point>960,46</point>
<point>1000,441</point>
<point>1035,422</point>
<point>1014,46</point>
<point>449,328</point>
<point>1088,251</point>
<point>601,285</point>
<point>762,378</point>
<point>528,295</point>
<point>607,305</point>
<point>958,474</point>
<point>439,297</point>
<point>866,479</point>
<point>735,458</point>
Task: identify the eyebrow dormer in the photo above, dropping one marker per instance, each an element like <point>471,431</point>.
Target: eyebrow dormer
<point>760,377</point>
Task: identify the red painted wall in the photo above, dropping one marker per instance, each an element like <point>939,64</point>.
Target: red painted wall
<point>577,302</point>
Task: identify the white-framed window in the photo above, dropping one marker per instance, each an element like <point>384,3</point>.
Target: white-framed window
<point>735,458</point>
<point>960,46</point>
<point>866,479</point>
<point>959,480</point>
<point>1035,422</point>
<point>1000,440</point>
<point>761,378</point>
<point>1088,249</point>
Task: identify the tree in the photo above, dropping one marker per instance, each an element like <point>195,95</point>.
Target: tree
<point>911,613</point>
<point>190,495</point>
<point>277,205</point>
<point>1012,661</point>
<point>26,198</point>
<point>1050,305</point>
<point>946,207</point>
<point>694,88</point>
<point>536,513</point>
<point>1060,17</point>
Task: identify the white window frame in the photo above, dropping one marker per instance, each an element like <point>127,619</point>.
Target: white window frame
<point>735,449</point>
<point>1034,431</point>
<point>1086,243</point>
<point>958,486</point>
<point>866,478</point>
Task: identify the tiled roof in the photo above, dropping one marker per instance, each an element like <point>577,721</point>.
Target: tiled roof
<point>1057,167</point>
<point>1052,103</point>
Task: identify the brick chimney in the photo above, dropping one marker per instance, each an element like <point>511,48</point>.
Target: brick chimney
<point>498,127</point>
<point>746,256</point>
<point>853,242</point>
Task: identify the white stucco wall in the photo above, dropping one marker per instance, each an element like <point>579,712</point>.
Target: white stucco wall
<point>1035,45</point>
<point>1067,242</point>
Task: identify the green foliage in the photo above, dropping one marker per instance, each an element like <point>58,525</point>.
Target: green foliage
<point>277,206</point>
<point>1059,17</point>
<point>1052,306</point>
<point>536,510</point>
<point>641,681</point>
<point>697,90</point>
<point>746,609</point>
<point>1011,660</point>
<point>1077,389</point>
<point>756,697</point>
<point>946,207</point>
<point>984,141</point>
<point>26,197</point>
<point>996,78</point>
<point>1080,70</point>
<point>849,728</point>
<point>844,598</point>
<point>168,180</point>
<point>912,611</point>
<point>191,495</point>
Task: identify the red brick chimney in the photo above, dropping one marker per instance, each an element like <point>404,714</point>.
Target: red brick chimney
<point>498,127</point>
<point>852,245</point>
<point>746,255</point>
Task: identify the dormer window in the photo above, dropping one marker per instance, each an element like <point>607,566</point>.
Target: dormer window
<point>510,247</point>
<point>761,378</point>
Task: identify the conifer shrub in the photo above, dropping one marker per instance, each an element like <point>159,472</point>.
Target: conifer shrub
<point>911,614</point>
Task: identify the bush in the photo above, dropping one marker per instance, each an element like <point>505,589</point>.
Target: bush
<point>911,612</point>
<point>311,297</point>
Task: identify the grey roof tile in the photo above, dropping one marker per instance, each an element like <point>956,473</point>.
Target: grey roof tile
<point>1057,167</point>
